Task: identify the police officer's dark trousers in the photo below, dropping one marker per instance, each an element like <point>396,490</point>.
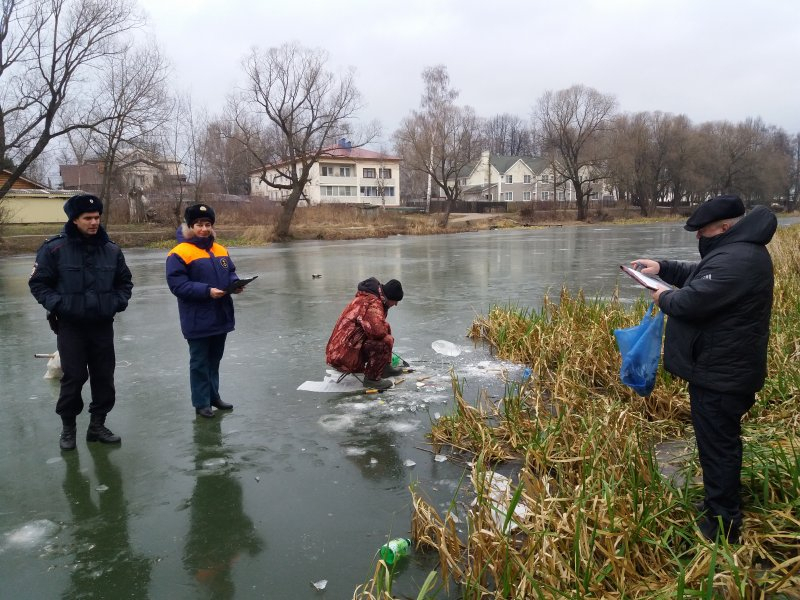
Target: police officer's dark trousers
<point>86,350</point>
<point>717,426</point>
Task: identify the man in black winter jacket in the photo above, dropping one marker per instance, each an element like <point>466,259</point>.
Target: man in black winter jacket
<point>81,278</point>
<point>716,339</point>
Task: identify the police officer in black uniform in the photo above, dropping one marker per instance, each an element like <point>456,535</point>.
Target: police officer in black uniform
<point>81,278</point>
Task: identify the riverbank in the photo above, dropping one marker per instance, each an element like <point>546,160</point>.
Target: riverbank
<point>590,511</point>
<point>317,223</point>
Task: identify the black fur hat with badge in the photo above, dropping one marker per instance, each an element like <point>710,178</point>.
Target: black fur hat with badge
<point>82,203</point>
<point>195,212</point>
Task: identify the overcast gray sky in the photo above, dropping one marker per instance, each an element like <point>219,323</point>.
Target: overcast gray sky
<point>708,59</point>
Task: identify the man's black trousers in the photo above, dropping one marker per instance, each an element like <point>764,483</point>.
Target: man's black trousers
<point>86,350</point>
<point>717,426</point>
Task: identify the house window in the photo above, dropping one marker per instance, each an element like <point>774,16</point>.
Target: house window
<point>545,195</point>
<point>508,196</point>
<point>385,173</point>
<point>327,171</point>
<point>526,196</point>
<point>369,173</point>
<point>545,178</point>
<point>509,179</point>
<point>337,190</point>
<point>526,179</point>
<point>344,171</point>
<point>462,182</point>
<point>374,190</point>
<point>561,195</point>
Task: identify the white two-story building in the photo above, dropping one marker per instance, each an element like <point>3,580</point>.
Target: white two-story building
<point>342,175</point>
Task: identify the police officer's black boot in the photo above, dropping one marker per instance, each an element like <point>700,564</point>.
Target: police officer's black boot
<point>98,432</point>
<point>67,440</point>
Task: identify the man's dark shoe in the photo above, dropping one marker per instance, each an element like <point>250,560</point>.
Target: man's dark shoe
<point>709,527</point>
<point>67,441</point>
<point>220,405</point>
<point>378,384</point>
<point>98,432</point>
<point>390,371</point>
<point>205,412</point>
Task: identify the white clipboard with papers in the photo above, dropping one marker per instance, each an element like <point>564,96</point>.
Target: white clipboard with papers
<point>650,283</point>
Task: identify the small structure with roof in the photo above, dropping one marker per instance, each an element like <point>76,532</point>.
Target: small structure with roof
<point>29,201</point>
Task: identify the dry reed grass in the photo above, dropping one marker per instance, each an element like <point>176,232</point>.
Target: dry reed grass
<point>600,520</point>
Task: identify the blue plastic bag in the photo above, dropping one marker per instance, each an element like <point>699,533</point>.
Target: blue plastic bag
<point>640,347</point>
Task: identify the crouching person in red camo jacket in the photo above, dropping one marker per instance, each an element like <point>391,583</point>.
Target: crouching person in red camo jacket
<point>362,340</point>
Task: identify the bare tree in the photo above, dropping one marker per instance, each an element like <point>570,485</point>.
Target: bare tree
<point>574,123</point>
<point>182,144</point>
<point>748,158</point>
<point>228,161</point>
<point>642,144</point>
<point>507,135</point>
<point>133,104</point>
<point>45,47</point>
<point>441,138</point>
<point>290,115</point>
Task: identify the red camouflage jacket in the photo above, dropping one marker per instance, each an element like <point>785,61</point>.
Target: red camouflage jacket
<point>364,318</point>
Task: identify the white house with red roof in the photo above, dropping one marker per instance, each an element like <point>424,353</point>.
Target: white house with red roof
<point>343,175</point>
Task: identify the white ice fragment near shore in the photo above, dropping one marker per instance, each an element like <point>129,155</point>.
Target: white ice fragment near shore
<point>29,535</point>
<point>440,458</point>
<point>446,348</point>
<point>409,463</point>
<point>321,584</point>
<point>500,492</point>
<point>102,488</point>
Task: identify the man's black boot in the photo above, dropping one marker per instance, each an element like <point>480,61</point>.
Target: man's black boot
<point>67,441</point>
<point>98,432</point>
<point>220,405</point>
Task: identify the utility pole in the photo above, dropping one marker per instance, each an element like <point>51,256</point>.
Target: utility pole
<point>428,193</point>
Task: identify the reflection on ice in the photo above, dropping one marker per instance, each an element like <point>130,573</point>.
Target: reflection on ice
<point>351,451</point>
<point>213,463</point>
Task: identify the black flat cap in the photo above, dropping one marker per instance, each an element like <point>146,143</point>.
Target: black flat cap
<point>716,209</point>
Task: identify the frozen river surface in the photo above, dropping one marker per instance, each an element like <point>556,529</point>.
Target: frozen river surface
<point>291,487</point>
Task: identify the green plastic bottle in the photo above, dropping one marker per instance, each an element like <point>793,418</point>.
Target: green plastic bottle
<point>395,549</point>
<point>396,360</point>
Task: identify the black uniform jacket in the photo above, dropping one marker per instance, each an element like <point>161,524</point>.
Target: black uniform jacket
<point>81,278</point>
<point>718,326</point>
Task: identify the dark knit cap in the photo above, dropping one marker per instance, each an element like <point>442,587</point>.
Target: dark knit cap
<point>195,212</point>
<point>716,209</point>
<point>82,203</point>
<point>393,290</point>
